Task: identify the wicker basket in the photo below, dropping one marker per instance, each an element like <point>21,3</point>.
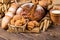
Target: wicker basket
<point>17,29</point>
<point>20,29</point>
<point>55,17</point>
<point>13,28</point>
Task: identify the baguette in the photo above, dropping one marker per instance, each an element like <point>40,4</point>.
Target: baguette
<point>5,21</point>
<point>13,7</point>
<point>9,15</point>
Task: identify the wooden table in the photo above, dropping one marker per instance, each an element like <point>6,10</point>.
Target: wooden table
<point>53,33</point>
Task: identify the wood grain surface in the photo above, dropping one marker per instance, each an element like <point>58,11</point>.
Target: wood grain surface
<point>53,33</point>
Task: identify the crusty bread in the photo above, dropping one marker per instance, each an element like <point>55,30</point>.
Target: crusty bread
<point>9,15</point>
<point>26,8</point>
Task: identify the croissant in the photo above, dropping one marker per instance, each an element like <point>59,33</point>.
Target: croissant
<point>20,22</point>
<point>32,24</point>
<point>13,7</point>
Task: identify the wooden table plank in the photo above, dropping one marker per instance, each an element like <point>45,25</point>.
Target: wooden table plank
<point>53,33</point>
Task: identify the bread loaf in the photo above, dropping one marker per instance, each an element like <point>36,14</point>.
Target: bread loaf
<point>26,8</point>
<point>9,15</point>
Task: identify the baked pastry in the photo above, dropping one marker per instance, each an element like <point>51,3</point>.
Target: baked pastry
<point>32,24</point>
<point>14,19</point>
<point>45,3</point>
<point>20,22</point>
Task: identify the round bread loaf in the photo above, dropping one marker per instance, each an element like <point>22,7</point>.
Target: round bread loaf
<point>26,8</point>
